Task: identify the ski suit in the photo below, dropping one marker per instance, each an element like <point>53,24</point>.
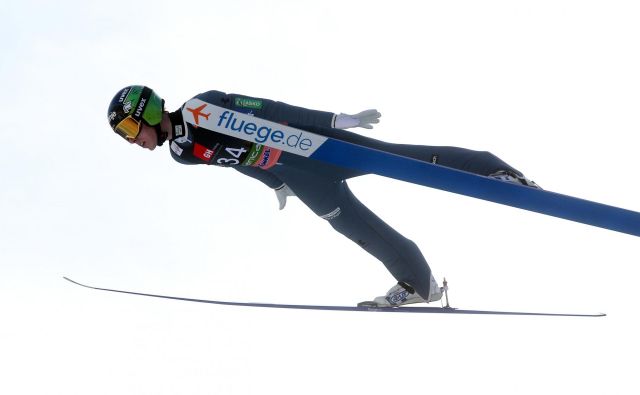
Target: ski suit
<point>322,186</point>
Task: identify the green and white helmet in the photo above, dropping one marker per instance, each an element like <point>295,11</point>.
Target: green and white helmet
<point>132,106</point>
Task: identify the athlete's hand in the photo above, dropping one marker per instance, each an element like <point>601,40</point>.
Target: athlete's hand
<point>363,119</point>
<point>281,193</point>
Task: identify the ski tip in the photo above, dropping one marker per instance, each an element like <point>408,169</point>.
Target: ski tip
<point>74,282</point>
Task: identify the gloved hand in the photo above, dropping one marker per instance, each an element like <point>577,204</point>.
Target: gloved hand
<point>362,119</point>
<point>281,193</point>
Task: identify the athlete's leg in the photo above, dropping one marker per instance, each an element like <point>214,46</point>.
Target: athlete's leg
<point>400,255</point>
<point>479,162</point>
<point>333,201</point>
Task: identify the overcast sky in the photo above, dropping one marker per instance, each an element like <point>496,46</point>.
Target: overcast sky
<point>549,86</point>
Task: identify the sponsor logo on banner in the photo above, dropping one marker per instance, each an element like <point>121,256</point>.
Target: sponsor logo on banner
<point>202,152</point>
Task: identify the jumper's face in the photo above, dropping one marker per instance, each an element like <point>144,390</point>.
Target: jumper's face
<point>147,138</point>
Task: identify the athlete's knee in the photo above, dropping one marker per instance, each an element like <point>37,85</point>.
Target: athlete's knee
<point>338,221</point>
<point>355,230</point>
<point>331,215</point>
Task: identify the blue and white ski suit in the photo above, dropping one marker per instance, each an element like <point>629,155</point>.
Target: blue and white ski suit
<point>322,186</point>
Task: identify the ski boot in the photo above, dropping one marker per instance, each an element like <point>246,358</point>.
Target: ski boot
<point>509,176</point>
<point>402,294</point>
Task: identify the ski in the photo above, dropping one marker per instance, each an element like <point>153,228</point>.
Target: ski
<point>403,309</point>
<point>332,150</point>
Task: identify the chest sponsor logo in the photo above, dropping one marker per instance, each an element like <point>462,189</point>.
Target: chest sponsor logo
<point>253,129</point>
<point>254,155</point>
<point>197,113</point>
<point>176,148</point>
<point>247,102</point>
<point>202,152</point>
<point>269,158</point>
<point>182,135</point>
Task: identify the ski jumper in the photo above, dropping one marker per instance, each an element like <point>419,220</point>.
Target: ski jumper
<point>322,186</point>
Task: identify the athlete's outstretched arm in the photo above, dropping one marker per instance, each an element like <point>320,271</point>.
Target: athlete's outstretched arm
<point>281,112</point>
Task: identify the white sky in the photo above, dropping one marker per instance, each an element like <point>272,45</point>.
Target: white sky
<point>549,86</point>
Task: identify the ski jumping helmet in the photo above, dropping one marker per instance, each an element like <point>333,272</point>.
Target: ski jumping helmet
<point>132,106</point>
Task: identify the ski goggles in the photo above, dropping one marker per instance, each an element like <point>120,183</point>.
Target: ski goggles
<point>128,128</point>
